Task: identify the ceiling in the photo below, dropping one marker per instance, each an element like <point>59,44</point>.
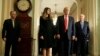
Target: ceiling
<point>57,5</point>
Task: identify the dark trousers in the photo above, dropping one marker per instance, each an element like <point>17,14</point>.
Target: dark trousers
<point>55,48</point>
<point>10,44</point>
<point>74,47</point>
<point>82,48</point>
<point>64,46</point>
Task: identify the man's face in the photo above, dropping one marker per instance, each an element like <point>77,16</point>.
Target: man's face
<point>13,14</point>
<point>66,11</point>
<point>82,17</point>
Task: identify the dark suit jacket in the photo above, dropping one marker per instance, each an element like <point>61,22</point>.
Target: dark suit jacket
<point>60,27</point>
<point>82,33</point>
<point>9,32</point>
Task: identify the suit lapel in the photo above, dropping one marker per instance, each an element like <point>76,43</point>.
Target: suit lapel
<point>15,24</point>
<point>11,23</point>
<point>84,25</point>
<point>69,21</point>
<point>63,19</point>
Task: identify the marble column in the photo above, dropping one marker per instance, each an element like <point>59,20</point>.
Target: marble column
<point>35,23</point>
<point>92,22</point>
<point>98,24</point>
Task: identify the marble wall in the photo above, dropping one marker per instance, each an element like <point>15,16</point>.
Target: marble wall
<point>0,27</point>
<point>98,23</point>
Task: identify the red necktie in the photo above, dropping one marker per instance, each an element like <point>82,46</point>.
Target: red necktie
<point>66,23</point>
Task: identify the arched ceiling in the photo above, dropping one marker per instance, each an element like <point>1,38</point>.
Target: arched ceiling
<point>57,5</point>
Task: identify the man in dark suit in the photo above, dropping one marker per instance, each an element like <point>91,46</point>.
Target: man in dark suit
<point>65,33</point>
<point>11,34</point>
<point>82,34</point>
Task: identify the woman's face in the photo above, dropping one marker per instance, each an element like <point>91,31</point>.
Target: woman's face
<point>48,11</point>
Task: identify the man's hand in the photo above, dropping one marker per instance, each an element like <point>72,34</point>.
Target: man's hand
<point>54,36</point>
<point>42,37</point>
<point>4,39</point>
<point>74,38</point>
<point>87,40</point>
<point>58,36</point>
<point>19,39</point>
